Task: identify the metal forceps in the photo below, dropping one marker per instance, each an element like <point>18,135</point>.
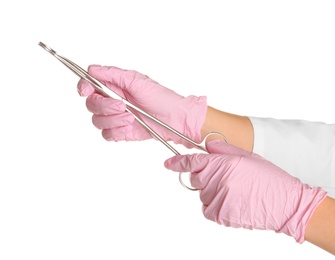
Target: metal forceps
<point>130,108</point>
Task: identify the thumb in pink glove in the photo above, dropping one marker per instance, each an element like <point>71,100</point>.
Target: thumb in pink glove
<point>185,114</point>
<point>241,189</point>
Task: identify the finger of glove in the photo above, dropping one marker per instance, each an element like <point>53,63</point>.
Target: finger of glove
<point>204,167</point>
<point>126,133</point>
<point>221,147</point>
<point>187,163</point>
<point>114,77</point>
<point>101,105</point>
<point>84,88</point>
<point>112,121</point>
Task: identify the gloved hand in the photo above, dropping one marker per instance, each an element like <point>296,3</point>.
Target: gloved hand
<point>242,189</point>
<point>185,114</point>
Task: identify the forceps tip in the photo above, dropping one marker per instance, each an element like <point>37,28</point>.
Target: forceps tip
<point>46,47</point>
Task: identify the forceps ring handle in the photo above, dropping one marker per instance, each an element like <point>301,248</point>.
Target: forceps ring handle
<point>202,144</point>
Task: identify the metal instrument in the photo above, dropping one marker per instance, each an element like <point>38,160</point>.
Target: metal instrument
<point>130,108</point>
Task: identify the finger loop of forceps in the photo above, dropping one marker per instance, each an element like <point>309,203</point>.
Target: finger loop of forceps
<point>130,108</point>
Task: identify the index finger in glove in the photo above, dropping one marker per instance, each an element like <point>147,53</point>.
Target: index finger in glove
<point>187,163</point>
<point>114,77</point>
<point>202,167</point>
<point>221,147</point>
<point>110,76</point>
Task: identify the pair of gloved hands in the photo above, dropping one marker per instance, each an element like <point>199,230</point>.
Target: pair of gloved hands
<point>237,188</point>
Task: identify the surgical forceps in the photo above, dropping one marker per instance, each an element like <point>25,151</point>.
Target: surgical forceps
<point>102,89</point>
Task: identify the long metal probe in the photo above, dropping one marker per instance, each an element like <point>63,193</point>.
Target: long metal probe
<point>129,106</point>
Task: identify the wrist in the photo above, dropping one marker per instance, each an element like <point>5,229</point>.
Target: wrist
<point>305,202</point>
<point>195,109</point>
<point>238,130</point>
<point>320,229</point>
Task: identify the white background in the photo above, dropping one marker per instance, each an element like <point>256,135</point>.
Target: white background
<point>66,193</point>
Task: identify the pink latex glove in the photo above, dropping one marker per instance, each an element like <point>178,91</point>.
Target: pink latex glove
<point>241,189</point>
<point>185,114</point>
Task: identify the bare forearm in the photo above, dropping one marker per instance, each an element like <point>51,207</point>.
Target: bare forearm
<point>237,129</point>
<point>320,230</point>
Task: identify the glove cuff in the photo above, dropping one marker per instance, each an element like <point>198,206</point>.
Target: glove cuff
<point>309,200</point>
<point>194,118</point>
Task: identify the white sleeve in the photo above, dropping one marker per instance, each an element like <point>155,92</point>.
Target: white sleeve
<point>304,149</point>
